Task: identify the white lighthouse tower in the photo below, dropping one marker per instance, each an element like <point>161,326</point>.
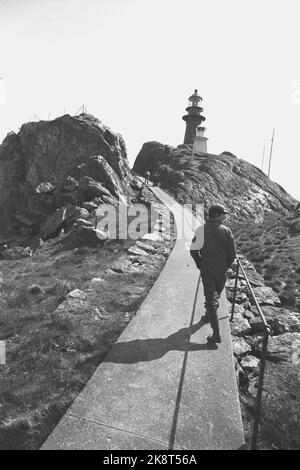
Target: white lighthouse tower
<point>200,141</point>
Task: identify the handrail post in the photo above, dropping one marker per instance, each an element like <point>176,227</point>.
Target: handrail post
<point>259,389</point>
<point>235,288</point>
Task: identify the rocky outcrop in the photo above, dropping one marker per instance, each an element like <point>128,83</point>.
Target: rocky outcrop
<point>212,179</point>
<point>285,347</point>
<point>47,165</point>
<point>36,244</point>
<point>56,222</point>
<point>12,176</point>
<point>101,171</point>
<point>91,188</point>
<point>83,235</point>
<point>52,148</point>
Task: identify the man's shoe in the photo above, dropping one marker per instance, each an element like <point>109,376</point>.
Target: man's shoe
<point>214,339</point>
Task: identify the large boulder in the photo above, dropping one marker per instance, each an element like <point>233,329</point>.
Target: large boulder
<point>239,346</point>
<point>110,200</point>
<point>101,171</point>
<point>12,177</point>
<point>84,235</point>
<point>46,154</point>
<point>70,184</point>
<point>240,325</point>
<point>280,320</point>
<point>53,148</point>
<point>266,296</point>
<point>250,362</point>
<point>237,308</point>
<point>239,298</point>
<point>55,222</point>
<point>91,188</point>
<point>36,244</point>
<point>75,223</point>
<point>90,206</point>
<point>285,347</point>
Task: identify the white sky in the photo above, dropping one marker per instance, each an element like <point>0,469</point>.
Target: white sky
<point>134,63</point>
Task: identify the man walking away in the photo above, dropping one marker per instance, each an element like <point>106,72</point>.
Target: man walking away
<point>155,179</point>
<point>147,176</point>
<point>213,250</point>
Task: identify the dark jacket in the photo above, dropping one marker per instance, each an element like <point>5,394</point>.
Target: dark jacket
<point>213,247</point>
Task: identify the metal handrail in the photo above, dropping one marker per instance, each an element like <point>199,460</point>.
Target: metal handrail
<point>267,333</point>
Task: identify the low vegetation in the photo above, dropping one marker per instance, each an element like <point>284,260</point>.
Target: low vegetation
<point>52,353</point>
<point>275,252</point>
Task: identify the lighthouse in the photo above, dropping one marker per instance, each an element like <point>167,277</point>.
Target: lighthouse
<point>193,118</point>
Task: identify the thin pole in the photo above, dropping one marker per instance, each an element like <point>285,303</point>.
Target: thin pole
<point>271,150</point>
<point>263,158</point>
<point>235,287</point>
<point>78,110</point>
<point>259,390</point>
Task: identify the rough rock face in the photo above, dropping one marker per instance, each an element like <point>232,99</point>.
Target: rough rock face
<point>40,167</point>
<point>52,148</point>
<point>12,175</point>
<point>55,222</point>
<point>102,172</point>
<point>92,188</point>
<point>213,179</point>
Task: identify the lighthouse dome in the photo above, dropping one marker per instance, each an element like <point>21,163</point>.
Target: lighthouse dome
<point>195,97</point>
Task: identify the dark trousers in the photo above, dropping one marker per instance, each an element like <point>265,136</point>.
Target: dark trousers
<point>213,284</point>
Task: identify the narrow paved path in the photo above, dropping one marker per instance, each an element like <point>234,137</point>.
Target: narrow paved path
<point>161,386</point>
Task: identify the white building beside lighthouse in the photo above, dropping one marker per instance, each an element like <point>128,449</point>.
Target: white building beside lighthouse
<point>200,141</point>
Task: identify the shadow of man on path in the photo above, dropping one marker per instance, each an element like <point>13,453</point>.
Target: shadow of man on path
<point>140,350</point>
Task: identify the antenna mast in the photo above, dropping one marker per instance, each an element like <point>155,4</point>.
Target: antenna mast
<point>263,158</point>
<point>271,150</point>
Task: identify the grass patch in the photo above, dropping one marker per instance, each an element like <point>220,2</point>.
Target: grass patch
<point>51,353</point>
<point>274,253</point>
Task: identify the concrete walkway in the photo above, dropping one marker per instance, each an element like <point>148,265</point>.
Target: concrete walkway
<point>161,386</point>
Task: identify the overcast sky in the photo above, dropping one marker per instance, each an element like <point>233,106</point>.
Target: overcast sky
<point>134,63</point>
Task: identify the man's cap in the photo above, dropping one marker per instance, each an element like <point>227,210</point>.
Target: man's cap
<point>217,209</point>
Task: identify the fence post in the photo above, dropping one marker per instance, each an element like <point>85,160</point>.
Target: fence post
<point>259,389</point>
<point>235,287</point>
